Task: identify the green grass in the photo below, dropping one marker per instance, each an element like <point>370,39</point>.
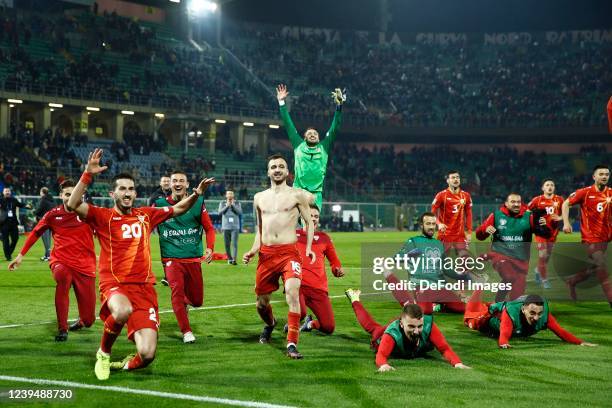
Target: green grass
<point>338,370</point>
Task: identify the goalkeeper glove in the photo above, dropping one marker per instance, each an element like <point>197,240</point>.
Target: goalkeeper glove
<point>339,96</point>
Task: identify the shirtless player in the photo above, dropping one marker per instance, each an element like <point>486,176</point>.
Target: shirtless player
<point>278,209</point>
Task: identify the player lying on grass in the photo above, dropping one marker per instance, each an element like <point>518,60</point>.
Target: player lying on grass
<point>310,153</point>
<point>73,262</point>
<point>512,227</point>
<point>313,290</point>
<point>278,209</point>
<point>412,335</point>
<point>126,279</point>
<point>430,270</point>
<point>522,317</point>
<point>180,244</point>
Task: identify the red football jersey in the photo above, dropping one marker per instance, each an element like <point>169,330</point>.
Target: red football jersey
<point>595,213</point>
<point>454,211</point>
<point>125,250</point>
<point>72,240</point>
<point>551,206</point>
<point>313,275</point>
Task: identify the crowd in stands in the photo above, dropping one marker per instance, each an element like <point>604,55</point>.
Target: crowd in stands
<point>490,174</point>
<point>434,85</point>
<point>93,55</point>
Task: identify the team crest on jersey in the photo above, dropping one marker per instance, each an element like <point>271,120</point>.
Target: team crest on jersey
<point>503,222</point>
<point>462,201</point>
<point>432,253</point>
<point>141,219</point>
<point>316,237</point>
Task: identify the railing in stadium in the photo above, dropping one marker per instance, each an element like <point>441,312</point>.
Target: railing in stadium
<point>376,216</point>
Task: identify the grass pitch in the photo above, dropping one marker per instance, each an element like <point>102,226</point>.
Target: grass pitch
<point>227,361</point>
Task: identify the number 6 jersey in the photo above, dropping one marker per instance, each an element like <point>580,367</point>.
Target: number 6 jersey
<point>595,213</point>
<point>125,250</point>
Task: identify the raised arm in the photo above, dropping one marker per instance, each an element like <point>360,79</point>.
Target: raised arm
<point>339,98</point>
<point>185,204</point>
<point>294,136</point>
<point>75,202</point>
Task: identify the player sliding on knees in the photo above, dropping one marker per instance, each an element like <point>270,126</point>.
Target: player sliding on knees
<point>278,209</point>
<point>429,272</point>
<point>126,278</point>
<point>410,336</point>
<point>310,153</point>
<point>73,262</point>
<point>522,317</point>
<point>313,289</point>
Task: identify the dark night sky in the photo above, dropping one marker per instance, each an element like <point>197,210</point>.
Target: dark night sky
<point>429,15</point>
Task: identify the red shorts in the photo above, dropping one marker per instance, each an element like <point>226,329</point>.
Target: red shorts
<point>145,311</point>
<point>477,318</point>
<point>276,261</point>
<point>593,247</point>
<point>457,242</point>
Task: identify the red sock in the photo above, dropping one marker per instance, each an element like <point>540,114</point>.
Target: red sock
<point>364,318</point>
<point>112,330</point>
<point>135,362</point>
<point>266,315</point>
<point>542,267</point>
<point>293,333</point>
<point>315,325</point>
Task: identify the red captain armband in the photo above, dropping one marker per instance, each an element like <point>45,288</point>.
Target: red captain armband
<point>86,178</point>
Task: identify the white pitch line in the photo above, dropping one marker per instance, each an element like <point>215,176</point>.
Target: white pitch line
<point>10,326</point>
<point>126,390</point>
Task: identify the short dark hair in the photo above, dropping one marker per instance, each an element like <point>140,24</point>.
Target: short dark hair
<point>412,310</point>
<point>121,176</point>
<point>276,156</point>
<point>533,299</point>
<point>177,171</point>
<point>512,193</point>
<point>164,175</point>
<point>426,214</point>
<point>448,173</point>
<point>44,190</point>
<point>310,128</point>
<point>548,179</point>
<point>67,183</point>
<point>601,166</point>
<point>314,207</point>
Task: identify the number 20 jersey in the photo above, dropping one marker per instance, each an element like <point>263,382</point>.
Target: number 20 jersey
<point>125,250</point>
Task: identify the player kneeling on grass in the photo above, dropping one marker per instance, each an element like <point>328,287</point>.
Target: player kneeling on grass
<point>410,336</point>
<point>126,278</point>
<point>73,262</point>
<point>313,290</point>
<point>522,317</point>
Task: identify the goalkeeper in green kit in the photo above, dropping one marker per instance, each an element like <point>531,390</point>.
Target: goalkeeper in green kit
<point>311,154</point>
